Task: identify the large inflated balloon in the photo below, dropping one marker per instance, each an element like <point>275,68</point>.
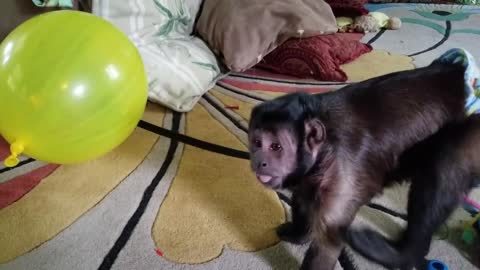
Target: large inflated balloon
<point>72,88</point>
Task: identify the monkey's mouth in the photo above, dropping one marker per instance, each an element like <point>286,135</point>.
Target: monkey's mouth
<point>273,182</point>
<point>264,178</point>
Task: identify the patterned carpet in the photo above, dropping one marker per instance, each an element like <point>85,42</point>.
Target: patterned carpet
<point>178,194</point>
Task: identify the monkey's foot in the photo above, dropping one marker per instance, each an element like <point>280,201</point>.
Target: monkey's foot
<point>289,232</point>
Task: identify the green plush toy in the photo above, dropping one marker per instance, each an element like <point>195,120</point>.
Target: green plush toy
<point>53,3</point>
<point>470,233</point>
<point>469,2</point>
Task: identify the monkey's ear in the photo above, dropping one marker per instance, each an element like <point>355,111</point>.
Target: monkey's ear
<point>314,134</point>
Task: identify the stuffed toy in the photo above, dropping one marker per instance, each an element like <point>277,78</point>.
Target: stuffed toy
<point>53,3</point>
<point>371,22</point>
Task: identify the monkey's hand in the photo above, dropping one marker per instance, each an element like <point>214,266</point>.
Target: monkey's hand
<point>293,233</point>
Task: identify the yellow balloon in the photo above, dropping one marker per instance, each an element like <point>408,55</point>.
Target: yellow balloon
<point>72,88</point>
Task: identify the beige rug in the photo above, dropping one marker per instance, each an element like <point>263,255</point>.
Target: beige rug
<point>191,202</point>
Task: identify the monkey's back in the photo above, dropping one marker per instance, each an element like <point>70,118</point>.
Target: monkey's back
<point>392,112</point>
<point>462,148</point>
<point>452,154</point>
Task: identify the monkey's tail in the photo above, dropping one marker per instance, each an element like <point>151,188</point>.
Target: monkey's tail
<point>373,246</point>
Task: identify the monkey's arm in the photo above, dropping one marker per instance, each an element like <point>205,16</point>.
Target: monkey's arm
<point>297,230</point>
<point>340,198</point>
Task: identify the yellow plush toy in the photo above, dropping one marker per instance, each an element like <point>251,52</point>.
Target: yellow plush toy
<point>384,21</point>
<point>371,22</point>
<point>344,24</point>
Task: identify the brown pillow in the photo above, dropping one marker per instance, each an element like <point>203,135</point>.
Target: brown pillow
<point>244,31</point>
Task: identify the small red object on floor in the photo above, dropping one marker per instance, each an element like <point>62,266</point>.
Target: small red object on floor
<point>232,107</point>
<point>159,252</point>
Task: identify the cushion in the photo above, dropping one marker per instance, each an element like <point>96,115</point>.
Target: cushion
<point>317,57</point>
<point>179,66</point>
<point>348,8</point>
<point>169,18</point>
<point>242,32</point>
<point>179,71</point>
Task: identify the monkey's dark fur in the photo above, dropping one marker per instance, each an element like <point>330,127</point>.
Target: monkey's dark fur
<point>335,150</point>
<point>442,169</point>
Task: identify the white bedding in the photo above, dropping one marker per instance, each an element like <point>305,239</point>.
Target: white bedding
<point>180,67</point>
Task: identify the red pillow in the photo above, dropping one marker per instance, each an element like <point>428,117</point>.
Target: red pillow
<point>348,8</point>
<point>317,57</point>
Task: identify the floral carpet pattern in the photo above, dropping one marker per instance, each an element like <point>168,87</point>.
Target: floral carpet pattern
<point>178,194</point>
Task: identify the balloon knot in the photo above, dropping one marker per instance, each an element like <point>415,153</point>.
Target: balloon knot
<point>16,149</point>
<point>11,161</point>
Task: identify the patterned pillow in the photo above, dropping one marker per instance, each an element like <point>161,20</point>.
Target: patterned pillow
<point>168,18</point>
<point>180,67</point>
<point>316,57</point>
<point>348,8</point>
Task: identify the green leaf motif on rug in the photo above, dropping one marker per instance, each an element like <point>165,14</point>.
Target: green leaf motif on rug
<point>439,28</point>
<point>466,31</point>
<point>435,26</point>
<point>181,18</point>
<point>443,16</point>
<point>443,12</point>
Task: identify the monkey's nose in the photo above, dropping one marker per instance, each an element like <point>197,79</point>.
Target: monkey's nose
<point>264,164</point>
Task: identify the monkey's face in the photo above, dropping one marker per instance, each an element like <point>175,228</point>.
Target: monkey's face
<point>285,138</point>
<point>281,156</point>
<point>273,156</point>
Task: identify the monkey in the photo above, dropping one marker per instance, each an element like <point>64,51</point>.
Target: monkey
<point>442,169</point>
<point>333,150</point>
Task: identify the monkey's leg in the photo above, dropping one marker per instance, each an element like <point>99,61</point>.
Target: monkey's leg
<point>432,198</point>
<point>296,231</point>
<point>431,201</point>
<point>335,213</point>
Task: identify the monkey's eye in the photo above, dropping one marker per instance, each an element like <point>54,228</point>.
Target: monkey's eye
<point>257,143</point>
<point>275,147</point>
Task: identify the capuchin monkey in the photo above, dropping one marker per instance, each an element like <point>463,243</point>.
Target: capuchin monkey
<point>442,170</point>
<point>334,150</point>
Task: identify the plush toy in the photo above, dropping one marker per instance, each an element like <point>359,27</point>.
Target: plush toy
<point>471,228</point>
<point>371,22</point>
<point>344,24</point>
<point>393,23</point>
<point>366,24</point>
